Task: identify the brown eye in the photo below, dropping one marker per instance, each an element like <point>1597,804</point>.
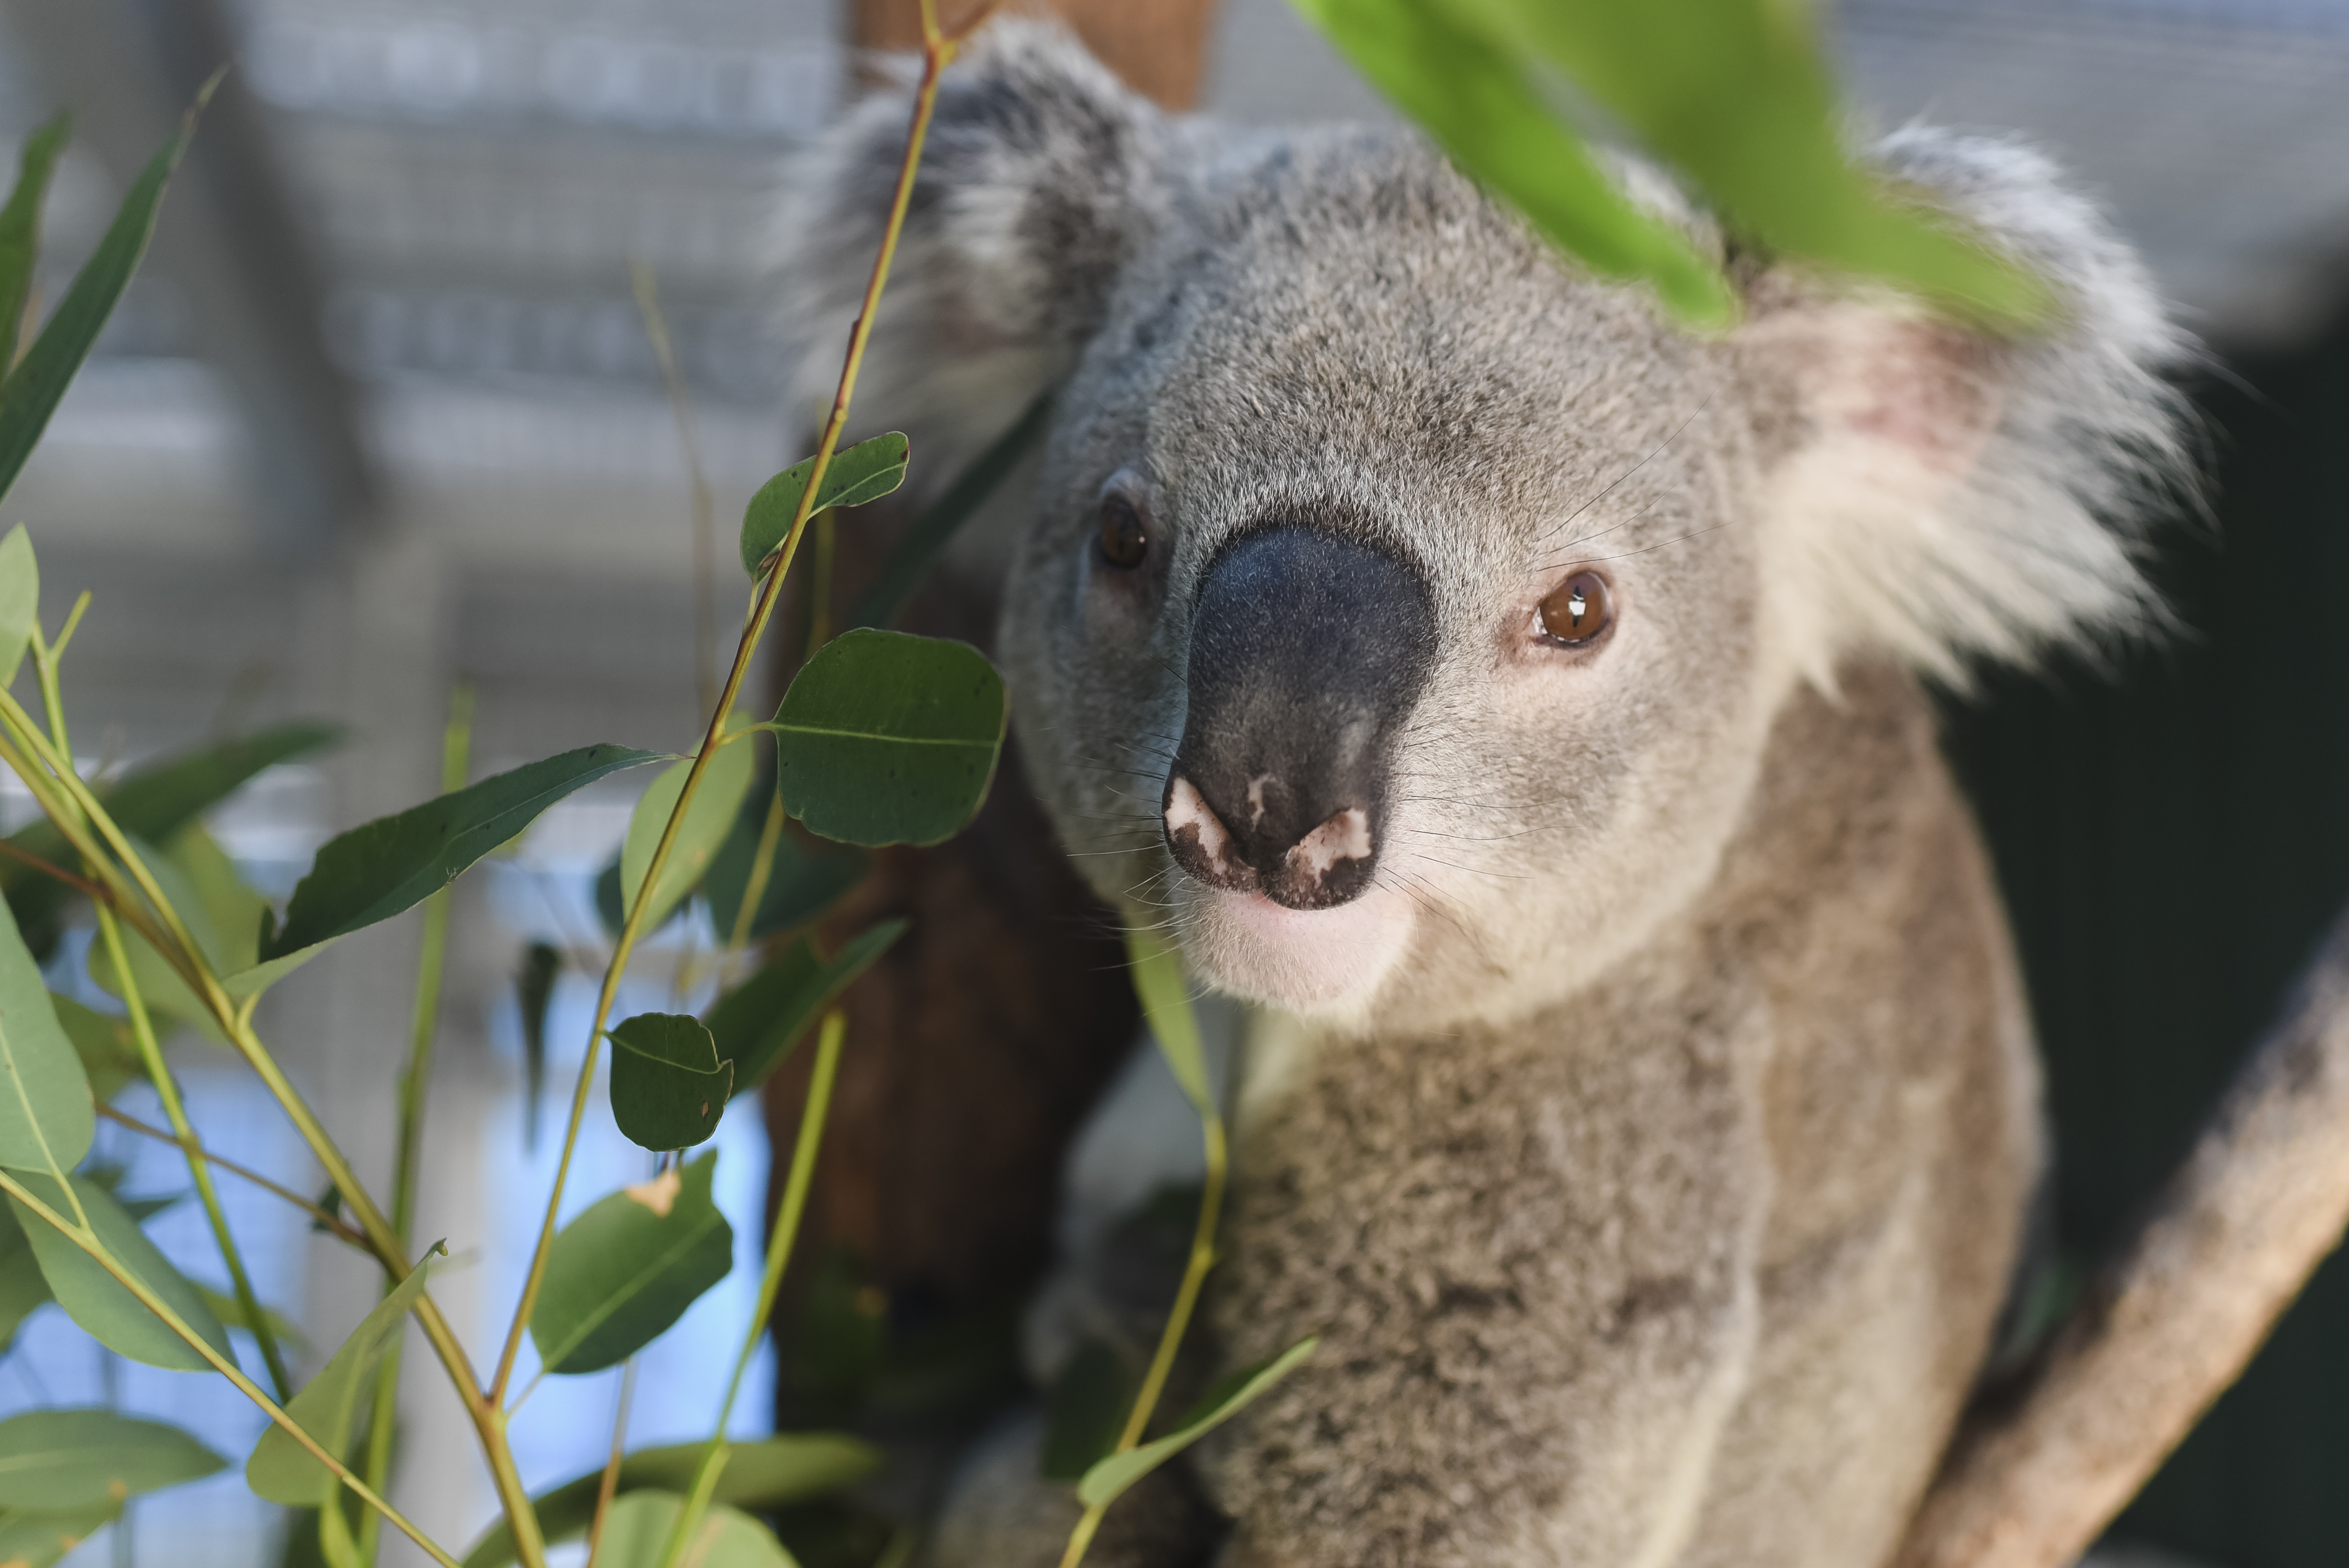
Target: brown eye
<point>1577,611</point>
<point>1122,542</point>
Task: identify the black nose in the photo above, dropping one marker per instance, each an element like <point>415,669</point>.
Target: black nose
<point>1308,653</point>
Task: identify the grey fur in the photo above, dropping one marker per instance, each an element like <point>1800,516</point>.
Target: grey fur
<point>1649,1147</point>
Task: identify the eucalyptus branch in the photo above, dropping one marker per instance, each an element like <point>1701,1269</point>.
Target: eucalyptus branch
<point>88,1241</point>
<point>779,1244</point>
<point>195,1149</point>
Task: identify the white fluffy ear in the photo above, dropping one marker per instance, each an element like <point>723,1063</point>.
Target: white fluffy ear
<point>1944,496</point>
<point>1042,177</point>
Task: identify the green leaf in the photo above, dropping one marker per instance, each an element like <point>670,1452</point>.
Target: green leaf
<point>108,1049</point>
<point>756,1024</point>
<point>668,1088</point>
<point>620,1274</point>
<point>20,601</point>
<point>152,804</point>
<point>328,1406</point>
<point>638,1526</point>
<point>1165,994</point>
<point>53,1459</point>
<point>30,394</point>
<point>803,881</point>
<point>931,533</point>
<point>45,1117</point>
<point>20,231</point>
<point>768,1474</point>
<point>886,739</point>
<point>103,1307</point>
<point>724,782</point>
<point>865,472</point>
<point>541,962</point>
<point>1109,1477</point>
<point>1481,104</point>
<point>1085,1412</point>
<point>391,865</point>
<point>39,1537</point>
<point>220,912</point>
<point>23,1289</point>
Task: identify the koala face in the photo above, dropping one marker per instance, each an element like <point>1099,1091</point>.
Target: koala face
<point>1403,611</point>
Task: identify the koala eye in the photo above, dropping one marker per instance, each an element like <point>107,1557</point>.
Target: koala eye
<point>1123,540</point>
<point>1577,611</point>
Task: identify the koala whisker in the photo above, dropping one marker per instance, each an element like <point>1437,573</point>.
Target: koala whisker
<point>1444,800</point>
<point>1580,540</point>
<point>1472,870</point>
<point>1682,539</point>
<point>1634,468</point>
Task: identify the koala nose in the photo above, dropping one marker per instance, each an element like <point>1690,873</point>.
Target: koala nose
<point>1307,654</point>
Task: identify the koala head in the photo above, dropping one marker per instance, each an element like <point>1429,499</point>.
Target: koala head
<point>1401,611</point>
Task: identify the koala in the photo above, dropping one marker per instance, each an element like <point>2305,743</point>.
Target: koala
<point>1518,702</point>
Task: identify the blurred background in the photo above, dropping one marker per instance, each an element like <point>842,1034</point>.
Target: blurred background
<point>380,414</point>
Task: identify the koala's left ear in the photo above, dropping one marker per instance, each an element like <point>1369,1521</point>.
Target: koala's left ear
<point>1942,495</point>
<point>1041,177</point>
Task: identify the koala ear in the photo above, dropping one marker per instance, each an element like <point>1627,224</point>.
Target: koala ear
<point>1042,177</point>
<point>1945,496</point>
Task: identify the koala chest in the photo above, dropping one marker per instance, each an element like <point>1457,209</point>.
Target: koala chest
<point>1530,1256</point>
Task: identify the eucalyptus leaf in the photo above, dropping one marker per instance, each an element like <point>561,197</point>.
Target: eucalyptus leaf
<point>46,1120</point>
<point>802,880</point>
<point>31,393</point>
<point>40,1538</point>
<point>1165,995</point>
<point>328,1407</point>
<point>65,1459</point>
<point>102,1305</point>
<point>23,1289</point>
<point>921,545</point>
<point>541,962</point>
<point>624,1271</point>
<point>638,1525</point>
<point>391,865</point>
<point>755,1026</point>
<point>152,803</point>
<point>716,803</point>
<point>20,601</point>
<point>20,231</point>
<point>108,1049</point>
<point>768,1474</point>
<point>668,1086</point>
<point>1109,1477</point>
<point>865,472</point>
<point>1085,1411</point>
<point>886,739</point>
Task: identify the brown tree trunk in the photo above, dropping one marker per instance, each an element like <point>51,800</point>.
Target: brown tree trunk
<point>1158,48</point>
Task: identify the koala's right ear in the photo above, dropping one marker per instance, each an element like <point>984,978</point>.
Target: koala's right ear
<point>1041,177</point>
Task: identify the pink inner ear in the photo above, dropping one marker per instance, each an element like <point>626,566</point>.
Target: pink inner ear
<point>1921,387</point>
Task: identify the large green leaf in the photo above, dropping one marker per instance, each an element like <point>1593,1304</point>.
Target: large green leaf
<point>865,472</point>
<point>379,869</point>
<point>30,394</point>
<point>620,1274</point>
<point>768,1474</point>
<point>1481,104</point>
<point>65,1458</point>
<point>94,1299</point>
<point>756,1024</point>
<point>20,231</point>
<point>639,1524</point>
<point>919,549</point>
<point>718,801</point>
<point>153,803</point>
<point>1165,995</point>
<point>668,1086</point>
<point>1109,1477</point>
<point>108,1051</point>
<point>329,1405</point>
<point>45,1117</point>
<point>39,1537</point>
<point>886,739</point>
<point>20,601</point>
<point>22,1290</point>
<point>802,880</point>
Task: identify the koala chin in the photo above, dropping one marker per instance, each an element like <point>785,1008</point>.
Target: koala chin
<point>1518,702</point>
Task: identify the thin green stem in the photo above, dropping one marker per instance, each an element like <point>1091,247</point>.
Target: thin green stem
<point>608,1486</point>
<point>88,1241</point>
<point>705,520</point>
<point>779,1244</point>
<point>415,1084</point>
<point>1186,1298</point>
<point>763,871</point>
<point>935,56</point>
<point>194,1148</point>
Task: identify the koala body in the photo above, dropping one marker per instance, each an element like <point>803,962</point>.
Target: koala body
<point>1515,699</point>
